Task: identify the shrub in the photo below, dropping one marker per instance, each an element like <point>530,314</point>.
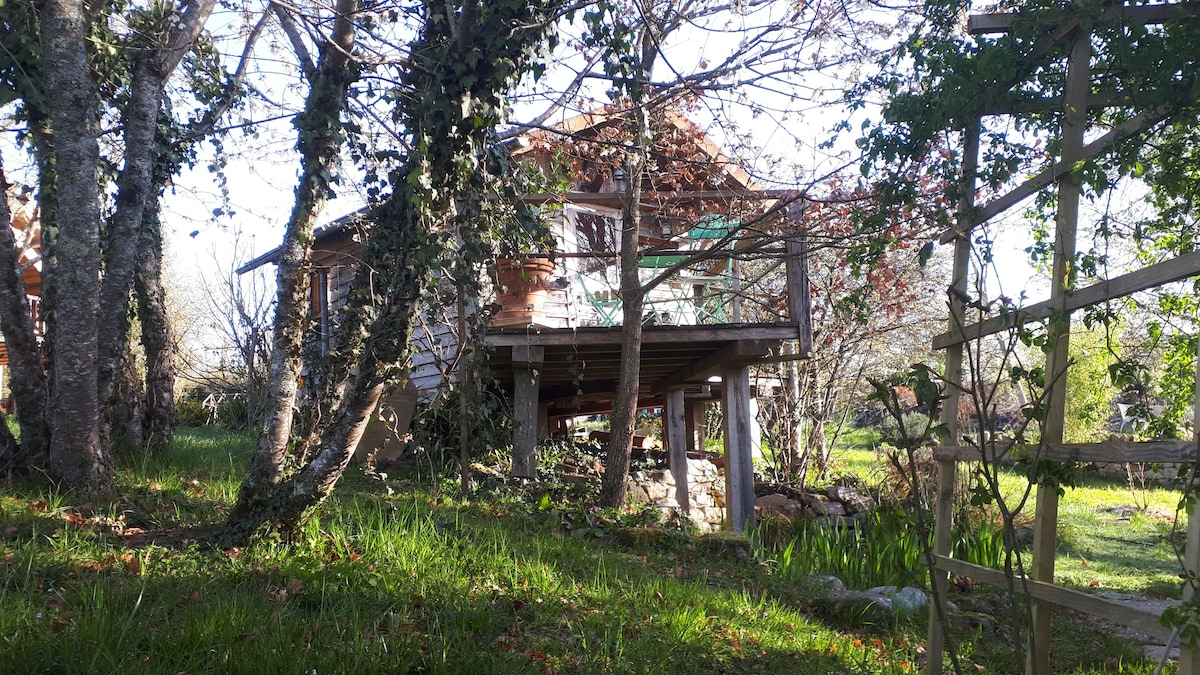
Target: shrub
<point>191,413</point>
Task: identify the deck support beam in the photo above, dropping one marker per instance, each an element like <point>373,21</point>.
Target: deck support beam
<point>526,363</point>
<point>739,467</point>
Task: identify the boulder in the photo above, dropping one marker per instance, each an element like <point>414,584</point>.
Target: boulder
<point>854,501</point>
<point>825,584</point>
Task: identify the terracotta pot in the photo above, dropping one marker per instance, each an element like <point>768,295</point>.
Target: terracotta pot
<point>522,288</point>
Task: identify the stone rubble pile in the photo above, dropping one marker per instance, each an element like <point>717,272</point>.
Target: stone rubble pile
<point>706,492</point>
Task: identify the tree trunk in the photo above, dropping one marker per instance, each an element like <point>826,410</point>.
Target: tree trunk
<point>76,456</point>
<point>406,238</point>
<point>151,69</point>
<point>320,142</point>
<point>624,416</point>
<point>158,421</point>
<point>28,379</point>
<point>125,416</point>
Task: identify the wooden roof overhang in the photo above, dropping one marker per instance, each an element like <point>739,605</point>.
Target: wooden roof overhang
<point>579,367</point>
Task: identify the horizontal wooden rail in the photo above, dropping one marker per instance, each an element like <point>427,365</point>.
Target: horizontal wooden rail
<point>1105,451</point>
<point>1187,265</point>
<point>1137,618</point>
<point>1001,22</point>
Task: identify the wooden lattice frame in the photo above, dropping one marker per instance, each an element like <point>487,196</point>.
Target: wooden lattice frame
<point>1062,301</point>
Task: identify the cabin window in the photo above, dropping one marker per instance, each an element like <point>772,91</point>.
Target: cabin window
<point>596,235</point>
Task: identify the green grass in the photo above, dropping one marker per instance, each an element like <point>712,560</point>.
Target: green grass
<point>1097,547</point>
<point>396,576</point>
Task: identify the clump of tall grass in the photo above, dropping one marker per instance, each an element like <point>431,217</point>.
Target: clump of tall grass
<point>885,548</point>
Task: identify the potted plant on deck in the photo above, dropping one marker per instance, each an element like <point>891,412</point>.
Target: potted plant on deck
<point>522,285</point>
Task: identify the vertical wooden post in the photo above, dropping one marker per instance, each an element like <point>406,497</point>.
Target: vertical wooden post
<point>1045,524</point>
<point>739,468</point>
<point>1189,659</point>
<point>526,408</point>
<point>799,295</point>
<point>735,273</point>
<point>946,475</point>
<point>697,425</point>
<point>676,427</point>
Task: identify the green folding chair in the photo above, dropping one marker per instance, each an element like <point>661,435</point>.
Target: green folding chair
<point>607,310</point>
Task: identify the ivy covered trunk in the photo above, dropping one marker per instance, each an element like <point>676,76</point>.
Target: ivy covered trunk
<point>158,414</point>
<point>76,457</point>
<point>319,144</point>
<point>464,59</point>
<point>153,64</point>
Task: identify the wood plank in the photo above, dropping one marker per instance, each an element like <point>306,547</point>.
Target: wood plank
<point>738,353</point>
<point>674,334</point>
<point>1176,269</point>
<point>1058,170</point>
<point>1014,105</point>
<point>1105,451</point>
<point>1142,620</point>
<point>654,198</point>
<point>1001,22</point>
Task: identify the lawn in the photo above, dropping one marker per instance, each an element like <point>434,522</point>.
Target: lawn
<point>1111,536</point>
<point>399,576</point>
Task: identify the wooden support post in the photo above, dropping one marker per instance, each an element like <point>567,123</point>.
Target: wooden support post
<point>526,409</point>
<point>1045,524</point>
<point>1189,659</point>
<point>676,428</point>
<point>543,422</point>
<point>944,511</point>
<point>739,469</point>
<point>799,295</point>
<point>697,427</point>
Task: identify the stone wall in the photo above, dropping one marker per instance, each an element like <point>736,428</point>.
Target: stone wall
<point>706,492</point>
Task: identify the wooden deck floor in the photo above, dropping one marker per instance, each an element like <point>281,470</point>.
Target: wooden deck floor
<point>579,367</point>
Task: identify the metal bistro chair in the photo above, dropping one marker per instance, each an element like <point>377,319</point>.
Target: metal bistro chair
<point>608,310</point>
<point>684,306</point>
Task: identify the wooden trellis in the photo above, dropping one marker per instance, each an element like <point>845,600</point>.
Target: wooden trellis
<point>1064,299</point>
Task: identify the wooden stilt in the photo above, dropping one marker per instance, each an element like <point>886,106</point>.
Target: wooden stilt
<point>697,428</point>
<point>676,428</point>
<point>526,409</point>
<point>1189,659</point>
<point>739,467</point>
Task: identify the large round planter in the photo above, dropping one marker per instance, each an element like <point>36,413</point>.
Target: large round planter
<point>522,288</point>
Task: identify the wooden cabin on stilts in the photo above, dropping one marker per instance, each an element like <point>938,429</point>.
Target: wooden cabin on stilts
<point>554,340</point>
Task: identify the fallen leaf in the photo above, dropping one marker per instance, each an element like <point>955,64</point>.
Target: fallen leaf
<point>61,622</point>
